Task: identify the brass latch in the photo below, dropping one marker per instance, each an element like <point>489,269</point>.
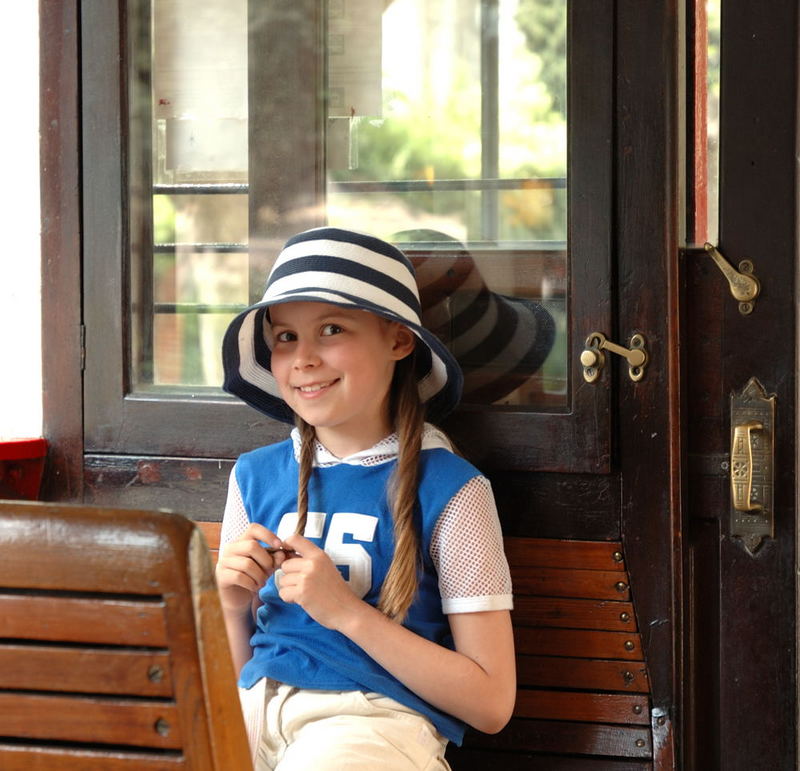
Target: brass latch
<point>593,357</point>
<point>745,498</point>
<point>744,286</point>
<point>751,465</point>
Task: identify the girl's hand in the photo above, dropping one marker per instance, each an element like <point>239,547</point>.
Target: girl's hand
<point>244,566</point>
<point>311,580</point>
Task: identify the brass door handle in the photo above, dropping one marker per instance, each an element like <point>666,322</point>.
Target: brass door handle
<point>744,286</point>
<point>742,467</point>
<point>752,463</point>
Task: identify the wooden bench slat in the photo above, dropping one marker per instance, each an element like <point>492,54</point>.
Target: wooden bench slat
<point>571,738</point>
<point>74,619</point>
<point>556,763</point>
<point>566,612</point>
<point>84,719</point>
<point>84,670</point>
<point>558,582</point>
<point>578,643</point>
<point>476,759</point>
<point>549,552</point>
<point>584,707</point>
<point>32,758</point>
<point>593,674</point>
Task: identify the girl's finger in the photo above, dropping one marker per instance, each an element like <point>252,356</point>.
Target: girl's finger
<point>237,578</point>
<point>258,532</point>
<point>301,545</point>
<point>246,565</point>
<point>252,549</point>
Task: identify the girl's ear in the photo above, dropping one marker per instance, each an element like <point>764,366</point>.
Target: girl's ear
<point>404,341</point>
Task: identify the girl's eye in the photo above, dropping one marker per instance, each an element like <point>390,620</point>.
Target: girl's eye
<point>331,329</point>
<point>285,337</point>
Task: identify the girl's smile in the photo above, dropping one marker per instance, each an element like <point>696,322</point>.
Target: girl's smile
<point>315,388</point>
<point>334,368</point>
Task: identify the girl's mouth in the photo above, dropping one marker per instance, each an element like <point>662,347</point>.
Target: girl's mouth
<point>315,387</point>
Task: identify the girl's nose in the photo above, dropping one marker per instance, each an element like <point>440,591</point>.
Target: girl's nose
<point>305,356</point>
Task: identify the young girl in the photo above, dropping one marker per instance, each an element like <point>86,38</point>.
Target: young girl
<point>370,551</point>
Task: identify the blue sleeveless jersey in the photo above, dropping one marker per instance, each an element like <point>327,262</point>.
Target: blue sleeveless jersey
<point>349,518</point>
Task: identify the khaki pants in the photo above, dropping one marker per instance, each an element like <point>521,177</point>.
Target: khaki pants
<point>302,730</point>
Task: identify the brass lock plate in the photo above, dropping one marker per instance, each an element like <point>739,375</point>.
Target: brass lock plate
<point>751,465</point>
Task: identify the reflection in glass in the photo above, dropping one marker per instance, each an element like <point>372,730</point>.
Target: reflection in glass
<point>443,127</point>
<point>500,339</point>
<point>464,136</point>
<point>472,98</point>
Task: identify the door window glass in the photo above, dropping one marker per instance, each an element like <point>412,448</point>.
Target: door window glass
<point>441,127</point>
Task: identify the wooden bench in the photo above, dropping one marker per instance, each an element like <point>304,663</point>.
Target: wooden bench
<point>113,652</point>
<point>583,699</point>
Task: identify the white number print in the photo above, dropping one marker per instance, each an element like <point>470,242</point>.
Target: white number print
<point>355,557</point>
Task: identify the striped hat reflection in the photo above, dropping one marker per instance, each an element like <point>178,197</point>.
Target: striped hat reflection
<point>498,340</point>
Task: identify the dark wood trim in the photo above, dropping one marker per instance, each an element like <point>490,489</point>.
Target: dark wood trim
<point>648,221</point>
<point>105,198</point>
<point>758,220</point>
<point>59,117</point>
<point>707,482</point>
<point>196,487</point>
<point>535,505</point>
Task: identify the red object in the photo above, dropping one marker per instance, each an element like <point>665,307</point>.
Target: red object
<point>21,468</point>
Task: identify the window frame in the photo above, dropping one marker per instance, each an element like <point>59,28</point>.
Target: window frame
<point>200,425</point>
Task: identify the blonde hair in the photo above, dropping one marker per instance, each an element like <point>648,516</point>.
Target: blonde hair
<point>408,417</point>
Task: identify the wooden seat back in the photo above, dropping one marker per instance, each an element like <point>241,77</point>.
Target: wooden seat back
<point>113,653</point>
<point>583,699</point>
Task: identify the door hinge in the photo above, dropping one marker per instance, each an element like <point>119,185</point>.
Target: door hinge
<point>83,347</point>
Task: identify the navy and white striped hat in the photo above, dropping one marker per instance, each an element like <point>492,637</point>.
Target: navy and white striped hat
<point>345,268</point>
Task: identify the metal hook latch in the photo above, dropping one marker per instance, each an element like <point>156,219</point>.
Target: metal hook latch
<point>745,287</point>
<point>593,359</point>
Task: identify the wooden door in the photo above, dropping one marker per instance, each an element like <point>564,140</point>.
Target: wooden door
<point>741,639</point>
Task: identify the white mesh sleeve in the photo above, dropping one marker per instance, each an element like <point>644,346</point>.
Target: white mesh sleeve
<point>234,519</point>
<point>467,550</point>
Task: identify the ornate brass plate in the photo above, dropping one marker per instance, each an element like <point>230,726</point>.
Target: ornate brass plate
<point>751,465</point>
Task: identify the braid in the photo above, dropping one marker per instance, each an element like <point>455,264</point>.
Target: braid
<point>400,586</point>
<point>307,438</point>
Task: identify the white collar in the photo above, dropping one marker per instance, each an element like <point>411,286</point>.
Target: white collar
<point>381,452</point>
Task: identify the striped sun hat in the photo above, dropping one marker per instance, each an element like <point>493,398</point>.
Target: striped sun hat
<point>344,268</point>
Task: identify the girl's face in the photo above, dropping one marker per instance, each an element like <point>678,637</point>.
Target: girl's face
<point>334,368</point>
